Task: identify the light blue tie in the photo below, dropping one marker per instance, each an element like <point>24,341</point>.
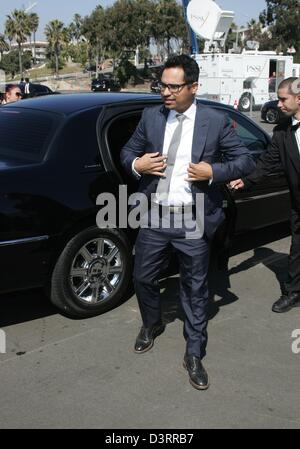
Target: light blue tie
<point>163,186</point>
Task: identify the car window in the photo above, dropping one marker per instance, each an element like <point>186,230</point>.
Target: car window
<point>254,139</point>
<point>40,89</point>
<point>118,133</point>
<point>78,141</point>
<point>25,134</point>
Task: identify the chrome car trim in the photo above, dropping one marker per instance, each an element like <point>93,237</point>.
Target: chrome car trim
<point>26,240</point>
<point>267,195</point>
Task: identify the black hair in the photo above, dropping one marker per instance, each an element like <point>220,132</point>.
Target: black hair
<point>11,86</point>
<point>289,83</point>
<point>188,64</point>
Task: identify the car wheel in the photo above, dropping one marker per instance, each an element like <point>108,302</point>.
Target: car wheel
<point>92,273</point>
<point>272,116</point>
<point>245,102</point>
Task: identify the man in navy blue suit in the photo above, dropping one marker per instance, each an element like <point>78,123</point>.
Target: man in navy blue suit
<point>180,152</point>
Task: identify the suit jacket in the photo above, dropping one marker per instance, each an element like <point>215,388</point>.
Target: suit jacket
<point>214,141</point>
<point>282,154</point>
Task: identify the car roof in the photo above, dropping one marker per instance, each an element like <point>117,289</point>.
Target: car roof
<point>71,103</point>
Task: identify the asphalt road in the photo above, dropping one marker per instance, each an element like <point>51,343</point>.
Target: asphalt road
<point>63,373</point>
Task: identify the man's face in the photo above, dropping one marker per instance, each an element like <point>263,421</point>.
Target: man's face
<point>179,101</point>
<point>288,104</point>
<point>14,94</point>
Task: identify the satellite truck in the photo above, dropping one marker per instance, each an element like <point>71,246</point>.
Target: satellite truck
<point>244,80</point>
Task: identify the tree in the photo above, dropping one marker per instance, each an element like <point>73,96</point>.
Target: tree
<point>3,46</point>
<point>57,36</point>
<point>283,18</point>
<point>16,26</point>
<point>10,62</point>
<point>75,28</point>
<point>33,24</point>
<point>256,32</point>
<point>168,24</point>
<point>95,30</point>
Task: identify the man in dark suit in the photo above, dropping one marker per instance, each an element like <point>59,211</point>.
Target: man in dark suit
<point>284,154</point>
<point>181,151</point>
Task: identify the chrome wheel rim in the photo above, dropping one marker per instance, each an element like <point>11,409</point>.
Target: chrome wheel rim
<point>245,103</point>
<point>96,270</point>
<point>271,116</point>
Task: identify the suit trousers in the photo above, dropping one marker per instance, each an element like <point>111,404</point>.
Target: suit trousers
<point>152,250</point>
<point>293,284</point>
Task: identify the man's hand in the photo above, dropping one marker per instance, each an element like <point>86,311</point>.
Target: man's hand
<point>237,184</point>
<point>199,172</point>
<point>151,164</point>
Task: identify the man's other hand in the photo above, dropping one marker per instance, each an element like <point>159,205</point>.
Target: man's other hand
<point>237,184</point>
<point>151,164</point>
<point>199,172</point>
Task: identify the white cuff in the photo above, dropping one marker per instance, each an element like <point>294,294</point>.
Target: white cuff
<point>135,173</point>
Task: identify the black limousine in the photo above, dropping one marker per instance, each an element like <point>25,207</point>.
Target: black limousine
<point>57,154</point>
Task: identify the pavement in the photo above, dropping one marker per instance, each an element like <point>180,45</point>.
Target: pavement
<point>63,373</point>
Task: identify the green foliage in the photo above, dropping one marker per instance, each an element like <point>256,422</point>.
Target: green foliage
<point>58,37</point>
<point>126,72</point>
<point>283,19</point>
<point>168,23</point>
<point>17,27</point>
<point>10,62</point>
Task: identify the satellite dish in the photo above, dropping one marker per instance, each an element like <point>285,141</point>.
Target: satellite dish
<point>208,20</point>
<point>252,45</point>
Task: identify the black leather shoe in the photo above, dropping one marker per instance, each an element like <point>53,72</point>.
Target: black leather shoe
<point>197,373</point>
<point>286,303</point>
<point>145,339</point>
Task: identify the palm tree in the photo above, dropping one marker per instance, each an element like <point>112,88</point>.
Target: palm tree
<point>33,24</point>
<point>76,27</point>
<point>3,45</point>
<point>56,37</point>
<point>16,26</point>
<point>9,31</point>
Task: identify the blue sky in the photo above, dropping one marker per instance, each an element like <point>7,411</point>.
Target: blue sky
<point>65,9</point>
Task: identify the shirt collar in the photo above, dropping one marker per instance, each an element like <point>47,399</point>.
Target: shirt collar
<point>294,121</point>
<point>190,113</point>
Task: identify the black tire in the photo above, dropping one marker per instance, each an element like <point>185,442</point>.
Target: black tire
<point>272,116</point>
<point>93,273</point>
<point>245,102</point>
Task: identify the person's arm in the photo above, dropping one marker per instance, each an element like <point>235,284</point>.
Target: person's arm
<point>269,162</point>
<point>237,161</point>
<point>135,158</point>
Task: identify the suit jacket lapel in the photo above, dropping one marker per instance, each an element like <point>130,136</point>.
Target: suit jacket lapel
<point>200,134</point>
<point>292,148</point>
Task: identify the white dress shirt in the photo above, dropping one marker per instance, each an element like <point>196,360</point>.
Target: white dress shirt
<point>297,133</point>
<point>180,190</point>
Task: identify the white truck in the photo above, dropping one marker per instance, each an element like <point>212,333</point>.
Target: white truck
<point>296,70</point>
<point>242,80</point>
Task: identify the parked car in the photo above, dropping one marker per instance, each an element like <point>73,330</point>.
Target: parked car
<point>57,154</point>
<point>36,90</point>
<point>154,86</point>
<point>270,112</point>
<point>105,83</point>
